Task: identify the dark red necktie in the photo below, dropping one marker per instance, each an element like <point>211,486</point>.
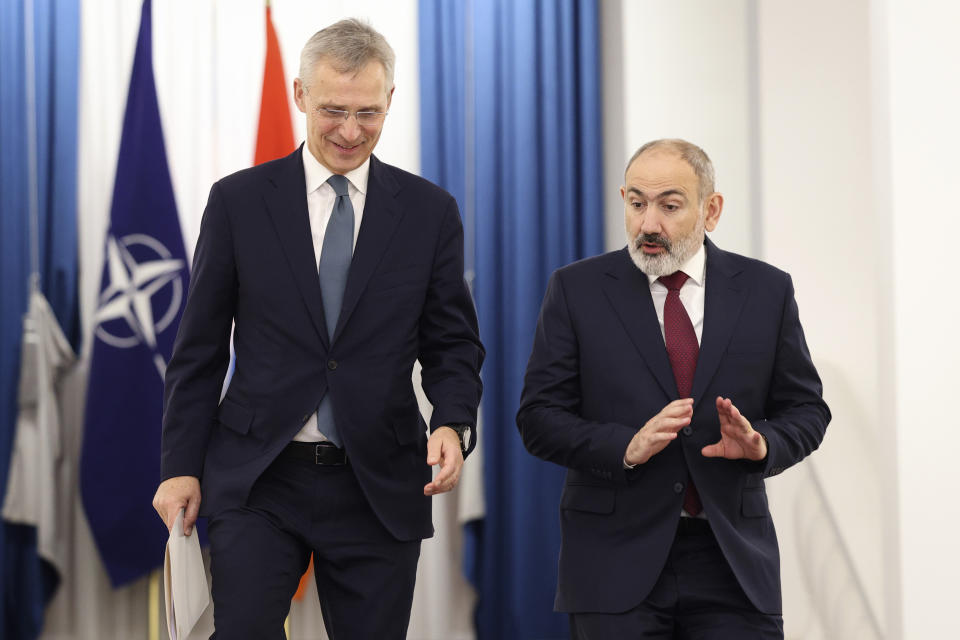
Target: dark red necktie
<point>683,349</point>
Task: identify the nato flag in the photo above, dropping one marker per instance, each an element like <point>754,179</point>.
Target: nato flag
<point>142,294</point>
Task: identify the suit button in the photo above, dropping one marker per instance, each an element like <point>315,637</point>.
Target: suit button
<point>687,430</point>
<point>331,364</point>
<point>305,418</point>
<point>678,487</point>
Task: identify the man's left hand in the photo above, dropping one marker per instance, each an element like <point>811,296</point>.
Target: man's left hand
<point>443,448</point>
<point>737,437</point>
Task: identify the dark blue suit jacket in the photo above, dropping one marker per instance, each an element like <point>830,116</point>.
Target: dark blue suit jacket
<point>599,370</point>
<point>405,299</point>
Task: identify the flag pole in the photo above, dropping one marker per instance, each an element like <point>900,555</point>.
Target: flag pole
<point>153,590</point>
<point>31,98</point>
<point>153,609</point>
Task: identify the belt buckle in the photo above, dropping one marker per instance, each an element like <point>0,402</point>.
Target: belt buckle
<point>325,454</point>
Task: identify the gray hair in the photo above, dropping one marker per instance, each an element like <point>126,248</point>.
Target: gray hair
<point>693,155</point>
<point>348,45</point>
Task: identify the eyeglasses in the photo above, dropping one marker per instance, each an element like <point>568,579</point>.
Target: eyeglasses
<point>365,118</point>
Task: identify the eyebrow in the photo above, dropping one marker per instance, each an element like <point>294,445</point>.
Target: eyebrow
<point>340,107</point>
<point>658,196</point>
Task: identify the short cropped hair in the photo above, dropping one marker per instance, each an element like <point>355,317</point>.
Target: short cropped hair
<point>348,45</point>
<point>693,155</point>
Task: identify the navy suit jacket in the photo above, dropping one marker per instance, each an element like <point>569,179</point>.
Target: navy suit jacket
<point>599,370</point>
<point>405,299</point>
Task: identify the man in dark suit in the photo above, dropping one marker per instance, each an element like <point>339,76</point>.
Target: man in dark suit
<point>338,272</point>
<point>670,378</point>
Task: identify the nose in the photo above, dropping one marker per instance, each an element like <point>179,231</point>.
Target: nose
<point>350,128</point>
<point>650,223</point>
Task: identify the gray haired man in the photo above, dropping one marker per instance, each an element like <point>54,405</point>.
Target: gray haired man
<point>339,271</point>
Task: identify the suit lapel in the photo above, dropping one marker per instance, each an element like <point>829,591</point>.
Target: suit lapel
<point>286,200</point>
<point>628,292</point>
<point>723,303</point>
<point>381,215</point>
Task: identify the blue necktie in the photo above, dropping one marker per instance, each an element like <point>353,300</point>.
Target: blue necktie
<point>334,266</point>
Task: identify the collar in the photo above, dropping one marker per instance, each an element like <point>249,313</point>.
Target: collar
<point>695,267</point>
<point>316,174</point>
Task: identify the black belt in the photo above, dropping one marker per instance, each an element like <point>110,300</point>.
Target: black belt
<point>322,453</point>
<point>692,526</point>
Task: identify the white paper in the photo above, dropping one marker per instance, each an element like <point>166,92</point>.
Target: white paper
<point>185,586</point>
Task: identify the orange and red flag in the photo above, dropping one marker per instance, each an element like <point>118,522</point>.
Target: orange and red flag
<point>275,130</point>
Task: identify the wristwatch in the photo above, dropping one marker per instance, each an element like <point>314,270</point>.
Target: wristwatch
<point>464,432</point>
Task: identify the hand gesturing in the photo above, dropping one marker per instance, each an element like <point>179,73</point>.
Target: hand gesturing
<point>737,437</point>
<point>659,431</point>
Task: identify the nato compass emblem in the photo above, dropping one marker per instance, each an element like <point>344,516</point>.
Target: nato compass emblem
<point>141,295</point>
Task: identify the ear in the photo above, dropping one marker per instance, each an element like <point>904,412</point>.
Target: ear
<point>299,95</point>
<point>390,97</point>
<point>623,192</point>
<point>714,207</point>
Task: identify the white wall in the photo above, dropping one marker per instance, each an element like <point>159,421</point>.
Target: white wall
<point>819,223</point>
<point>679,69</point>
<point>859,134</point>
<point>918,99</point>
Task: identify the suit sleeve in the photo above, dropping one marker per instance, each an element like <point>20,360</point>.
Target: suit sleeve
<point>450,349</point>
<point>797,416</point>
<point>201,353</point>
<point>549,416</point>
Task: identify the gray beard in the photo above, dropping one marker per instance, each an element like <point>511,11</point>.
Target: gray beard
<point>676,254</point>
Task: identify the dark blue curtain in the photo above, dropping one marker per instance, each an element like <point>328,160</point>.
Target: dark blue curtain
<point>28,582</point>
<point>443,80</point>
<point>531,148</point>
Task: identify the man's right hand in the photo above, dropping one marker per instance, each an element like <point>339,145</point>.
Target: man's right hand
<point>173,494</point>
<point>659,431</point>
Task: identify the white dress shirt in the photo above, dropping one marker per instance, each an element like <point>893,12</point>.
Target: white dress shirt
<point>320,200</point>
<point>691,293</point>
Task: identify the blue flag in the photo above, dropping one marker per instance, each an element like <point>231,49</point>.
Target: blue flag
<point>142,294</point>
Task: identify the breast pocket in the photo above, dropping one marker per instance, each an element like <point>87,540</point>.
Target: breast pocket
<point>407,278</point>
